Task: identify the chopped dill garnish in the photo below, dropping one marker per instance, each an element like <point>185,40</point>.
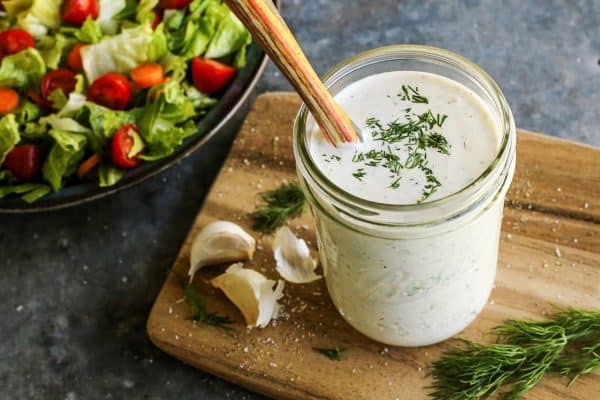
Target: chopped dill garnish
<point>359,174</point>
<point>412,94</point>
<point>199,312</point>
<point>333,354</point>
<point>568,344</point>
<point>283,203</point>
<point>414,135</point>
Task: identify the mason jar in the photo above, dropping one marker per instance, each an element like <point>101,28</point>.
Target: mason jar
<point>410,275</point>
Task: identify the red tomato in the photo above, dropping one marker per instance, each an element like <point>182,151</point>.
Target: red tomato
<point>211,76</point>
<point>76,11</point>
<point>169,4</point>
<point>157,19</point>
<point>25,161</point>
<point>122,143</point>
<point>15,40</point>
<point>74,58</point>
<point>111,90</point>
<point>60,78</point>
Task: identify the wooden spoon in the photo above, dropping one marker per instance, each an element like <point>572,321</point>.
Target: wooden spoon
<point>270,30</point>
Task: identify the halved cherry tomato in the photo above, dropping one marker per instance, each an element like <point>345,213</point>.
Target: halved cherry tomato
<point>74,58</point>
<point>211,76</point>
<point>156,20</point>
<point>169,4</point>
<point>76,11</point>
<point>60,78</point>
<point>88,165</point>
<point>9,100</point>
<point>15,40</point>
<point>124,141</point>
<point>111,90</point>
<point>25,161</point>
<point>147,75</point>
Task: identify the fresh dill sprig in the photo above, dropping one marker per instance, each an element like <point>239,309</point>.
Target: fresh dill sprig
<point>199,312</point>
<point>359,174</point>
<point>568,343</point>
<point>283,203</point>
<point>334,354</point>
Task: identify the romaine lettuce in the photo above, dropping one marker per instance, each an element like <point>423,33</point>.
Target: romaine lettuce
<point>64,156</point>
<point>39,17</point>
<point>52,49</point>
<point>90,32</point>
<point>109,9</point>
<point>109,175</point>
<point>30,191</point>
<point>230,38</point>
<point>9,135</point>
<point>145,11</point>
<point>22,70</point>
<point>123,52</point>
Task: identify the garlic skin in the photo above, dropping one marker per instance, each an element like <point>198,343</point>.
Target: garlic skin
<point>220,242</point>
<point>292,257</point>
<point>252,293</point>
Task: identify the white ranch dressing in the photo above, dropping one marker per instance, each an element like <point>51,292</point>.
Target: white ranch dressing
<point>472,136</point>
<point>416,290</point>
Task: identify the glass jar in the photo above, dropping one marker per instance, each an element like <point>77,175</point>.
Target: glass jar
<point>410,275</point>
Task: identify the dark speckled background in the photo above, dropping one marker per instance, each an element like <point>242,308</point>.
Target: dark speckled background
<point>76,285</point>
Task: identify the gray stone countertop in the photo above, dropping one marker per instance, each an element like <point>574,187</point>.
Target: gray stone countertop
<point>77,285</point>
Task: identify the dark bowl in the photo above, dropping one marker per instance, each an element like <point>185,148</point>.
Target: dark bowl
<point>210,124</point>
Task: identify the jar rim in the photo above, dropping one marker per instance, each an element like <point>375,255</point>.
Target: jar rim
<point>306,165</point>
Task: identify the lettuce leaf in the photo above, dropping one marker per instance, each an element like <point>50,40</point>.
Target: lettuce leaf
<point>41,16</point>
<point>123,52</point>
<point>107,20</point>
<point>52,48</point>
<point>64,156</point>
<point>167,120</point>
<point>9,135</point>
<point>230,38</point>
<point>22,70</point>
<point>30,191</point>
<point>15,7</point>
<point>145,11</point>
<point>90,32</point>
<point>109,175</point>
<point>27,112</point>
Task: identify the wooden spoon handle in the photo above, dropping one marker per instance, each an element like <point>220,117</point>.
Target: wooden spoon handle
<point>270,30</point>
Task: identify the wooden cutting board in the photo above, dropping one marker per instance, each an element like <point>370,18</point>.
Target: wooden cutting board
<point>550,254</point>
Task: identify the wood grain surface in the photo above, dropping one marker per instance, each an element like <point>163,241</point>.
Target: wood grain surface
<point>549,255</point>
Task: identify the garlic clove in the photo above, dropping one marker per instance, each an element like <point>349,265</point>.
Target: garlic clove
<point>292,257</point>
<point>220,242</point>
<point>252,293</point>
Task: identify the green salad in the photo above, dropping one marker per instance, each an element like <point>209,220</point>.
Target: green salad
<point>92,88</point>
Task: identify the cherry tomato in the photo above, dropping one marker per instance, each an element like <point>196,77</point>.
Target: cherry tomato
<point>9,100</point>
<point>60,78</point>
<point>25,161</point>
<point>211,76</point>
<point>123,142</point>
<point>74,58</point>
<point>111,90</point>
<point>157,19</point>
<point>15,40</point>
<point>170,4</point>
<point>76,11</point>
<point>148,75</point>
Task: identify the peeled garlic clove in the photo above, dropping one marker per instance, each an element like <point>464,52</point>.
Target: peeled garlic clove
<point>220,242</point>
<point>252,293</point>
<point>292,257</point>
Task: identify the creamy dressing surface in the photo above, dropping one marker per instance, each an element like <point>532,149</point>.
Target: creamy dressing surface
<point>469,130</point>
<point>421,289</point>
